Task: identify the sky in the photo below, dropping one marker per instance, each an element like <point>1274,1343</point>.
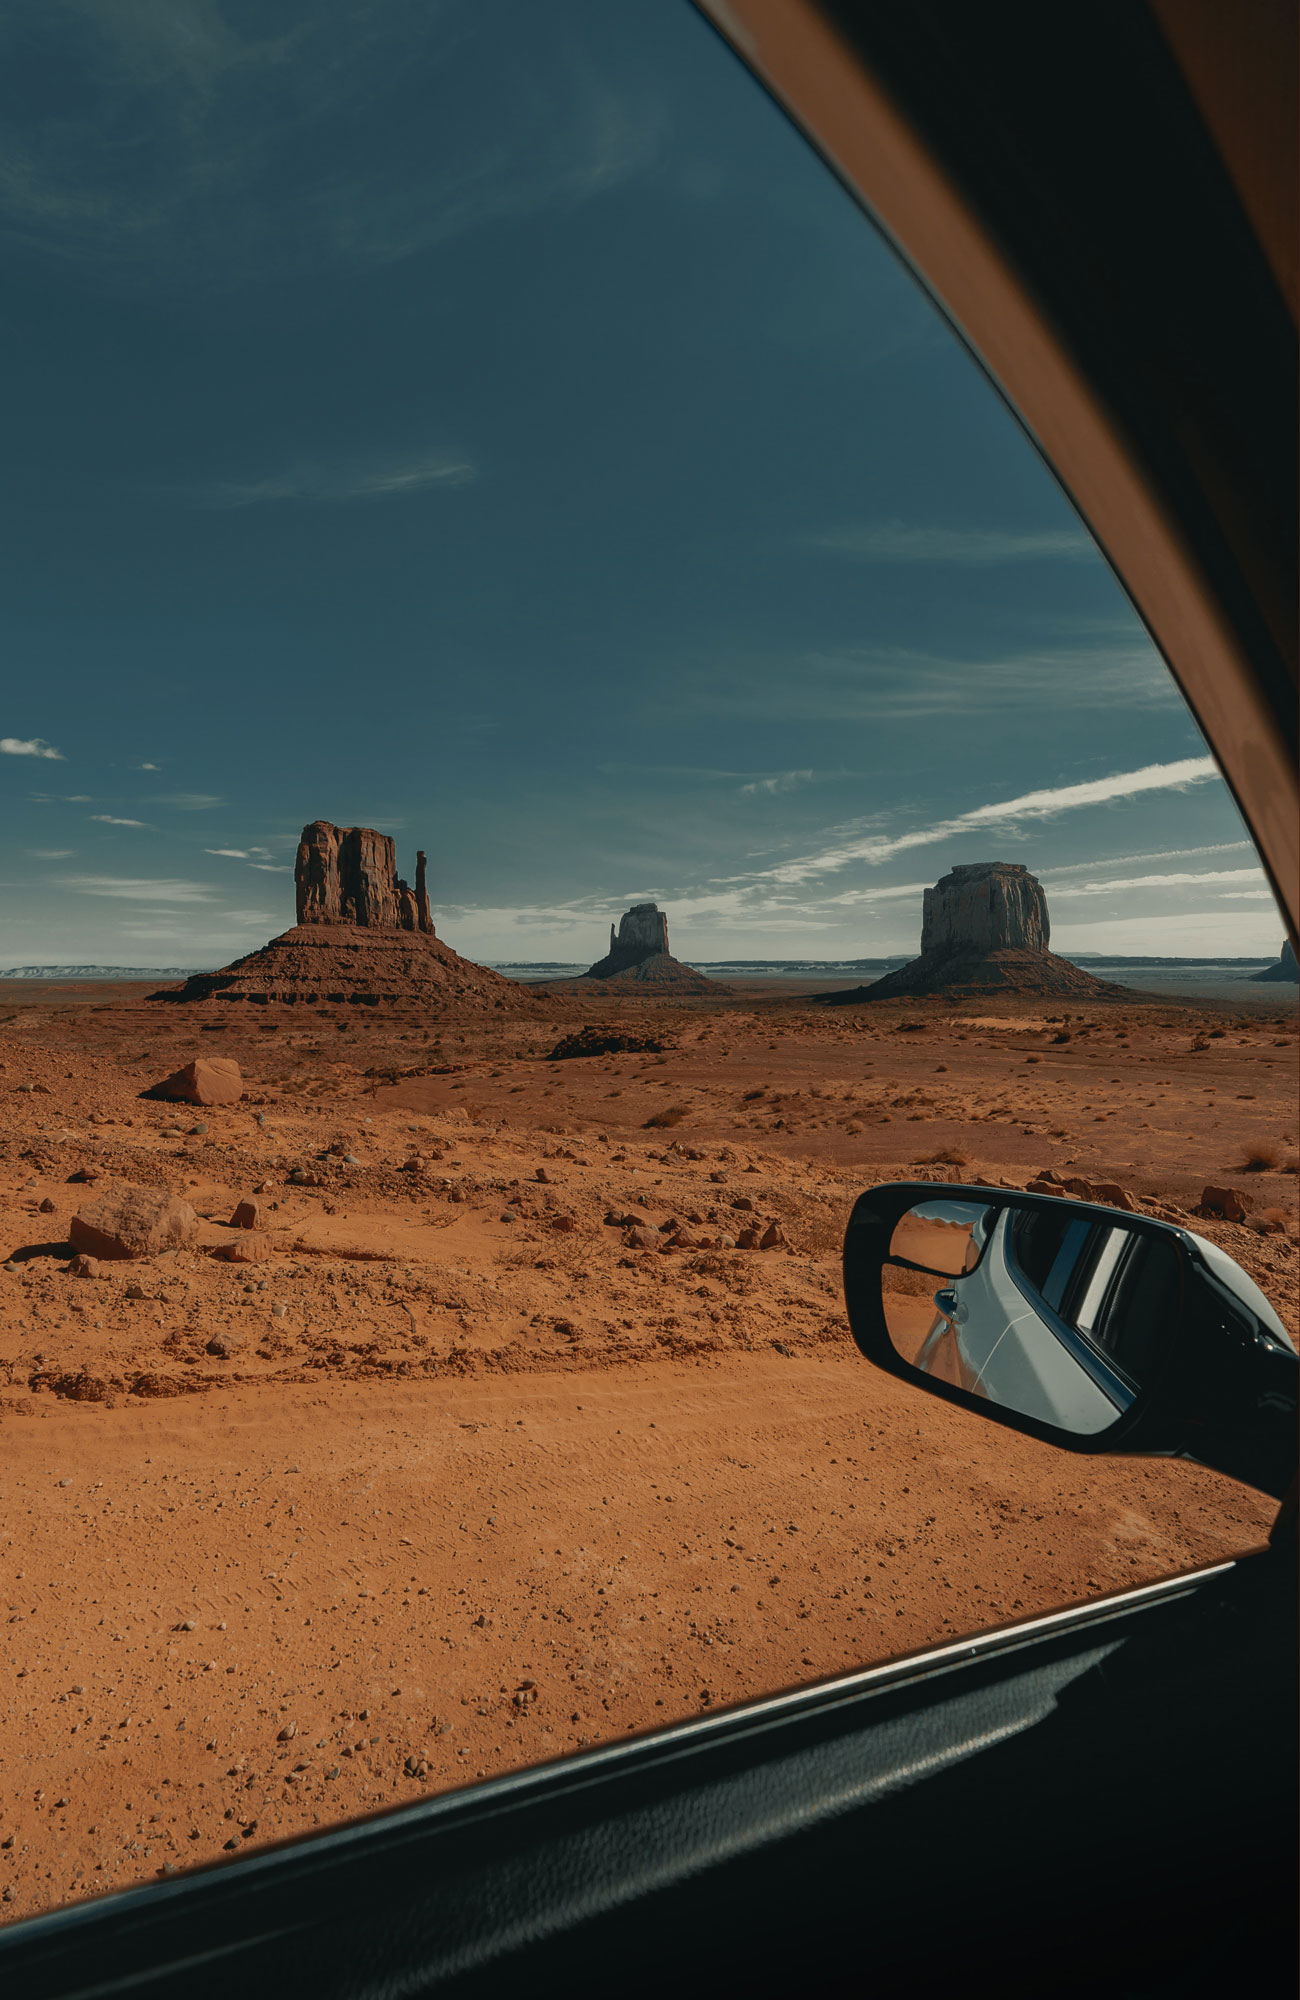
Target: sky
<point>492,424</point>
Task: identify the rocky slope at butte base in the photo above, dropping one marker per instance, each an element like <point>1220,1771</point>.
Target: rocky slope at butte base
<point>316,964</point>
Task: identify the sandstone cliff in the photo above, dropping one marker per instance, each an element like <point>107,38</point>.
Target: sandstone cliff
<point>348,875</point>
<point>987,906</point>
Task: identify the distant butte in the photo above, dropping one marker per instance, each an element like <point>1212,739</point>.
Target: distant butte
<point>985,930</point>
<point>362,936</point>
<point>1284,969</point>
<point>639,956</point>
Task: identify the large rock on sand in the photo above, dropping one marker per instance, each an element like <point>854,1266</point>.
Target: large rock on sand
<point>133,1222</point>
<point>985,930</point>
<point>209,1080</point>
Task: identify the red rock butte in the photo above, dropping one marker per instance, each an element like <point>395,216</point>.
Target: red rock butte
<point>639,956</point>
<point>363,936</point>
<point>985,930</point>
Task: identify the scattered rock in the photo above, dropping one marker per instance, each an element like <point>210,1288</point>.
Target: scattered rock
<point>208,1080</point>
<point>287,1734</point>
<point>133,1222</point>
<point>250,1247</point>
<point>1224,1204</point>
<point>748,1239</point>
<point>249,1215</point>
<point>564,1225</point>
<point>224,1346</point>
<point>772,1237</point>
<point>83,1266</point>
<point>47,1206</point>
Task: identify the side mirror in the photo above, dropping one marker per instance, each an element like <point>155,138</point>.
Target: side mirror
<point>1091,1328</point>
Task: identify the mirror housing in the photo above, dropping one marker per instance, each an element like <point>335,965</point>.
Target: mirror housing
<point>1221,1380</point>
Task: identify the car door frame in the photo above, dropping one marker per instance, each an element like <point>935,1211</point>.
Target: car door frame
<point>832,1829</point>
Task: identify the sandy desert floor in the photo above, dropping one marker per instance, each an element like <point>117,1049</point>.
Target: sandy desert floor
<point>514,1476</point>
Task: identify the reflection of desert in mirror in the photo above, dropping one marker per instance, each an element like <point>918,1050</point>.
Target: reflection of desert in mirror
<point>938,1236</point>
<point>557,730</point>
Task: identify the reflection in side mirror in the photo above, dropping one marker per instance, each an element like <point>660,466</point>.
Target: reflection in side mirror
<point>1054,1313</point>
<point>1092,1328</point>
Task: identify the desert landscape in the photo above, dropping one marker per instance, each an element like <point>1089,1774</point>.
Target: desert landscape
<point>503,1307</point>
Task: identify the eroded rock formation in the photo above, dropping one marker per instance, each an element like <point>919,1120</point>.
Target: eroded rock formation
<point>985,929</point>
<point>986,906</point>
<point>638,955</point>
<point>348,875</point>
<point>642,933</point>
<point>363,936</point>
<point>1284,970</point>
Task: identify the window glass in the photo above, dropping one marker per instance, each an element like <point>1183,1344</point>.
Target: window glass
<point>489,429</point>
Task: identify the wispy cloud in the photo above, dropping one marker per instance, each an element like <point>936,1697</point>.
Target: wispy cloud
<point>780,781</point>
<point>1134,860</point>
<point>111,819</point>
<point>147,767</point>
<point>186,801</point>
<point>899,542</point>
<point>229,853</point>
<point>1003,815</point>
<point>128,889</point>
<point>231,149</point>
<point>879,686</point>
<point>388,478</point>
<point>272,867</point>
<point>61,798</point>
<point>1212,879</point>
<point>29,746</point>
<point>51,853</point>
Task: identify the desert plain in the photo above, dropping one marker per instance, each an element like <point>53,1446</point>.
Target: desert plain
<point>507,1439</point>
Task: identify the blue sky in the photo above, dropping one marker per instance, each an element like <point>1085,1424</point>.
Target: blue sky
<point>490,423</point>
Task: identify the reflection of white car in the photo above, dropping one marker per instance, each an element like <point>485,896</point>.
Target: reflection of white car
<point>1057,1316</point>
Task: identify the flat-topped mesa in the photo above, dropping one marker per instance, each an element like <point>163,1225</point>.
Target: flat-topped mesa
<point>984,929</point>
<point>985,906</point>
<point>348,875</point>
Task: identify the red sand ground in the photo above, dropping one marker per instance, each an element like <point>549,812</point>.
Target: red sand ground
<point>459,1492</point>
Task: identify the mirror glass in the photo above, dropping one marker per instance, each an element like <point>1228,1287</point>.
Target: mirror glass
<point>1053,1312</point>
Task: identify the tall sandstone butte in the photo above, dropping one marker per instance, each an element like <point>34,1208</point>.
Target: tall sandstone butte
<point>348,875</point>
<point>638,955</point>
<point>362,935</point>
<point>985,929</point>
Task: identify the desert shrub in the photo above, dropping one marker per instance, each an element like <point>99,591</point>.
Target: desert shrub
<point>593,1041</point>
<point>1279,1218</point>
<point>947,1156</point>
<point>1261,1156</point>
<point>672,1114</point>
<point>1063,1035</point>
